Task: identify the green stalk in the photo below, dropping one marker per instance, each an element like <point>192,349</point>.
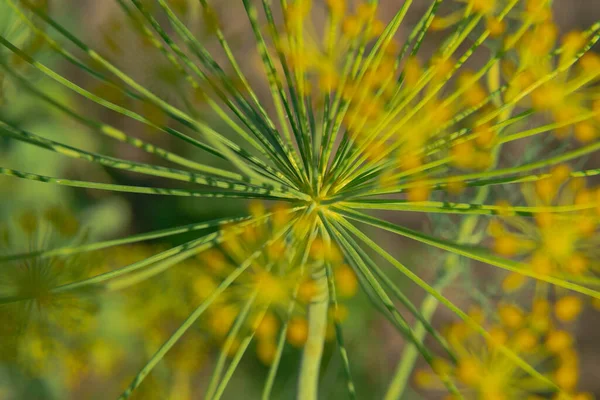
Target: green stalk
<point>428,306</point>
<point>410,353</point>
<point>308,383</point>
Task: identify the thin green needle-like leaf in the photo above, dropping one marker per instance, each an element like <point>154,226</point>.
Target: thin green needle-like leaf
<point>217,370</point>
<point>197,313</point>
<point>594,36</point>
<point>451,270</point>
<point>410,353</point>
<point>372,265</point>
<point>119,135</point>
<point>337,325</point>
<point>527,178</point>
<point>418,33</point>
<point>470,252</point>
<point>339,336</point>
<point>496,176</point>
<point>295,86</point>
<point>247,115</point>
<point>349,246</point>
<point>181,330</point>
<point>92,97</point>
<point>132,189</point>
<point>270,381</point>
<point>468,320</point>
<point>181,69</point>
<point>549,127</point>
<point>183,252</point>
<point>280,99</point>
<point>147,169</point>
<point>169,257</point>
<point>444,139</point>
<point>221,143</point>
<point>69,250</point>
<point>459,208</point>
<point>109,130</point>
<point>164,259</point>
<point>215,382</point>
<point>234,364</point>
<point>389,284</point>
<point>372,61</point>
<point>209,12</point>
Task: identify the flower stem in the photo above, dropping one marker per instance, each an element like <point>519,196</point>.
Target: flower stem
<point>308,383</point>
<point>409,356</point>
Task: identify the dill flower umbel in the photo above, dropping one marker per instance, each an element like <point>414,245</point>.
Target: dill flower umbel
<point>350,124</point>
<point>483,371</point>
<point>274,294</point>
<point>45,325</point>
<point>554,244</point>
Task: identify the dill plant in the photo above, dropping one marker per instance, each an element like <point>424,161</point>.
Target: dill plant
<point>357,121</point>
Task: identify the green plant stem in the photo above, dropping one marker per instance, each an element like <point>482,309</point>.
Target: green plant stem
<point>410,353</point>
<point>308,382</point>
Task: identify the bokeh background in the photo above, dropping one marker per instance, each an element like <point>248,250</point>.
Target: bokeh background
<point>374,346</point>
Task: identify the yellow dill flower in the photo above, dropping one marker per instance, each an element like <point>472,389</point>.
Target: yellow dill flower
<point>36,280</point>
<point>483,371</point>
<point>45,328</point>
<point>320,60</point>
<point>297,332</point>
<point>398,116</point>
<point>568,98</point>
<point>551,243</point>
<point>275,281</point>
